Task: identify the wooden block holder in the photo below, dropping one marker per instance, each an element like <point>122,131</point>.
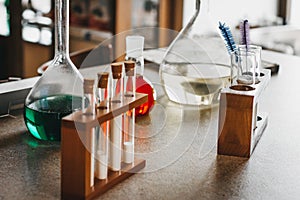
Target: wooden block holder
<point>76,158</point>
<point>241,125</point>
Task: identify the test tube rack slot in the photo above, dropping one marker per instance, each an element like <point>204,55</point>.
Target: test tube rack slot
<point>241,124</point>
<point>76,158</point>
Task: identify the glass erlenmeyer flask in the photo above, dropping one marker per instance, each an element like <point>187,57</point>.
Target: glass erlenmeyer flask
<point>58,92</point>
<point>196,65</point>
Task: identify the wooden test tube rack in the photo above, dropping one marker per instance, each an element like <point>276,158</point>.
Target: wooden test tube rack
<point>76,158</point>
<point>240,123</point>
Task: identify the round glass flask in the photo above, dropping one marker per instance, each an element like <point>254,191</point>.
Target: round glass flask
<point>196,65</point>
<point>59,91</point>
<point>134,52</point>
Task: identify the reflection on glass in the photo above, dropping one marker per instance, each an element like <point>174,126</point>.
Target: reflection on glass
<point>31,34</point>
<point>28,14</point>
<point>43,6</point>
<point>37,26</point>
<point>4,18</point>
<point>34,34</point>
<point>43,20</point>
<point>46,36</point>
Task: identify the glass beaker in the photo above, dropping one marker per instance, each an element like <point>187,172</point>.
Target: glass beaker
<point>58,92</point>
<point>257,51</point>
<point>244,64</point>
<point>196,65</point>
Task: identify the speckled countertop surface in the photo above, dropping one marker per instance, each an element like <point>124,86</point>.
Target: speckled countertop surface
<point>179,144</point>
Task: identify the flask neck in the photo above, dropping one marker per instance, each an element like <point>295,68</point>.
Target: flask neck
<point>62,28</point>
<point>203,24</point>
<point>198,3</point>
<point>203,6</point>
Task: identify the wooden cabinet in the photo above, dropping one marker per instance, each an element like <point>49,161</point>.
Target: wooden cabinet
<point>21,58</point>
<point>10,49</point>
<point>168,14</point>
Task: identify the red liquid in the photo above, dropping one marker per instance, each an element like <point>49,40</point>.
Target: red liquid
<point>143,87</point>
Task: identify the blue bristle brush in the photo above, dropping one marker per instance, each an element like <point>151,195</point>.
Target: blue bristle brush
<point>228,38</point>
<point>245,33</point>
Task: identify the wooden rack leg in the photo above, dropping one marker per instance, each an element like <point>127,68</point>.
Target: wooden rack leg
<point>75,168</point>
<point>239,129</point>
<point>240,123</point>
<point>75,164</point>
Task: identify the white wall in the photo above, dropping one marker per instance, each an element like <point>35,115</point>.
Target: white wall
<point>233,11</point>
<point>295,14</point>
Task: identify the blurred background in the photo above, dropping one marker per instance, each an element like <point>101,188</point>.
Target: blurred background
<point>26,26</point>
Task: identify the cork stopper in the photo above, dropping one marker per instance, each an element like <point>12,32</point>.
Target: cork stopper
<point>88,85</point>
<point>102,80</point>
<point>129,68</point>
<point>116,69</point>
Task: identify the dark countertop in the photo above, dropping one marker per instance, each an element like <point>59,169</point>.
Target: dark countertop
<point>183,162</point>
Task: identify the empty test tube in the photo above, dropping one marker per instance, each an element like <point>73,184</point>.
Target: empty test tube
<point>116,122</point>
<point>101,158</point>
<point>129,116</point>
<point>88,108</point>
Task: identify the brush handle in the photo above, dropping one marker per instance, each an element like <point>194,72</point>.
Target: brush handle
<point>245,33</point>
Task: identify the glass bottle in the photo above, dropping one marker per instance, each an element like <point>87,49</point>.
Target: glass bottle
<point>58,92</point>
<point>129,116</point>
<point>134,52</point>
<point>196,65</point>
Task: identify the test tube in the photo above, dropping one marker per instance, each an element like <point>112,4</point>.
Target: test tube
<point>129,116</point>
<point>88,108</point>
<point>103,90</point>
<point>89,99</point>
<point>101,159</point>
<point>134,52</point>
<point>116,122</point>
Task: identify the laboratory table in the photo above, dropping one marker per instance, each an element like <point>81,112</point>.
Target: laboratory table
<point>179,144</point>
